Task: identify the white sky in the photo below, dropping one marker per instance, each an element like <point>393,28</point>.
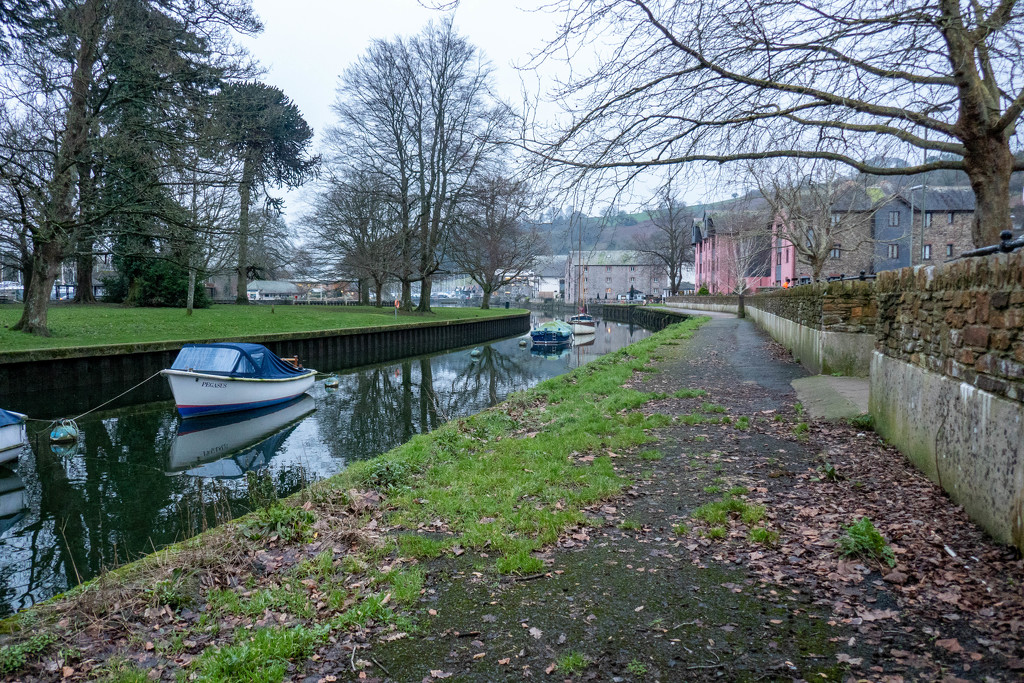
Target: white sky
<point>307,44</point>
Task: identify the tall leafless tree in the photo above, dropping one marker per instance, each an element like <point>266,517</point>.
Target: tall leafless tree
<point>420,113</point>
<point>816,209</point>
<point>493,245</point>
<point>353,224</point>
<point>855,81</point>
<point>669,242</point>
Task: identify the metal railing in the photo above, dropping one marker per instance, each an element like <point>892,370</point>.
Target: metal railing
<point>1007,245</point>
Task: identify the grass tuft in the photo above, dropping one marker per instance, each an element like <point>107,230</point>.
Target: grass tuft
<point>14,657</point>
<point>572,663</point>
<point>861,539</point>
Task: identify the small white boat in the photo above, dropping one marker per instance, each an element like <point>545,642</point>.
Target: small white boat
<point>583,323</point>
<point>12,434</point>
<point>226,446</point>
<point>207,379</point>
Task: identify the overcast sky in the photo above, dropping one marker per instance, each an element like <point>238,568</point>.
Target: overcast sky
<point>306,45</point>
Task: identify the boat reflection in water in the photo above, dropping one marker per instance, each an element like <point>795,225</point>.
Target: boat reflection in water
<point>228,446</point>
<point>13,499</point>
<point>551,351</point>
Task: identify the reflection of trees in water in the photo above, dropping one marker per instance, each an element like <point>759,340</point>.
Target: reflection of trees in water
<point>487,380</point>
<point>111,502</point>
<point>99,507</point>
<point>374,410</point>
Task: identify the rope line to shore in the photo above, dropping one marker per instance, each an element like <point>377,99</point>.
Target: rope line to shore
<point>92,410</point>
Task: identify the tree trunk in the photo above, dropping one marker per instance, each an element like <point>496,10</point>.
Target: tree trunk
<point>83,272</point>
<point>244,196</point>
<point>989,164</point>
<point>191,296</point>
<point>46,261</point>
<point>379,293</point>
<point>426,284</point>
<point>406,295</point>
<point>487,299</point>
<point>84,259</point>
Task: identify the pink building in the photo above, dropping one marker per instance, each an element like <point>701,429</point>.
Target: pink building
<point>732,252</point>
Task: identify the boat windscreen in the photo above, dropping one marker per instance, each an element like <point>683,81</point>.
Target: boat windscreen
<point>209,359</point>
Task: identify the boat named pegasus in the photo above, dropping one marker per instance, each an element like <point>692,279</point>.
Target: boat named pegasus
<point>207,379</point>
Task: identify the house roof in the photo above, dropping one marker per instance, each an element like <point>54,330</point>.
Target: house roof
<point>621,257</point>
<point>940,198</point>
<point>551,266</point>
<point>272,287</point>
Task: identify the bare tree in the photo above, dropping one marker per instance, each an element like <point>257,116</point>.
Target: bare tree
<point>354,225</point>
<point>854,81</point>
<point>493,245</point>
<point>669,243</point>
<point>420,112</point>
<point>817,210</point>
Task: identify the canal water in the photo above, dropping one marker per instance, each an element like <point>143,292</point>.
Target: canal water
<point>141,477</point>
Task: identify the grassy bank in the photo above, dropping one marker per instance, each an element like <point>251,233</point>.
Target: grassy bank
<point>341,564</point>
<point>102,325</point>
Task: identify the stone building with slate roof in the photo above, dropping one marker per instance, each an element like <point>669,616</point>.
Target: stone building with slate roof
<point>611,275</point>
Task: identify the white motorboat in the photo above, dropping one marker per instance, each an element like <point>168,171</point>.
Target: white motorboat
<point>207,379</point>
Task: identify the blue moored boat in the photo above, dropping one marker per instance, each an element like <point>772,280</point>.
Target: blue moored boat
<point>552,332</point>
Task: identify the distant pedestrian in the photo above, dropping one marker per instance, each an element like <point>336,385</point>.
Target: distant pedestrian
<point>785,285</point>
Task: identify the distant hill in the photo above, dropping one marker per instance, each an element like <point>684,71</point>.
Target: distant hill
<point>599,233</point>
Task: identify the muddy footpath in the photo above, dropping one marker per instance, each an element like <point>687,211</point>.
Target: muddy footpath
<point>645,593</point>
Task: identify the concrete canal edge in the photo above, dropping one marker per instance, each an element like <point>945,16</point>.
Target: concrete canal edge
<point>29,379</point>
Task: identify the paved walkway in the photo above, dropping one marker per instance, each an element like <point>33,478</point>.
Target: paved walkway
<point>822,396</point>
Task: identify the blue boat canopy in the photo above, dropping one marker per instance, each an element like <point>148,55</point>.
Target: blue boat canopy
<point>9,418</point>
<point>234,360</point>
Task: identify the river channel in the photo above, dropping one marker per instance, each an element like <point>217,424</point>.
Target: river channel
<point>141,477</point>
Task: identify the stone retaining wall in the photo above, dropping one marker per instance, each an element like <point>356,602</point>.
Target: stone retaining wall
<point>947,381</point>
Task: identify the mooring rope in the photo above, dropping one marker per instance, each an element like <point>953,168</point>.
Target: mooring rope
<point>92,410</point>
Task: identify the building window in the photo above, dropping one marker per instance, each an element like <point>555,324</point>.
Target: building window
<point>894,249</point>
<point>949,250</point>
<point>835,252</point>
<point>926,252</point>
<point>607,280</point>
<point>928,219</point>
<point>607,269</point>
<point>632,279</point>
<point>586,269</point>
<point>608,290</point>
<point>894,218</point>
<point>632,268</point>
<point>655,282</point>
<point>949,218</point>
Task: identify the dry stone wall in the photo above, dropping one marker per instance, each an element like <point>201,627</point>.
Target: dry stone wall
<point>964,320</point>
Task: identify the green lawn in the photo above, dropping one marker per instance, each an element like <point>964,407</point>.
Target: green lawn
<point>100,325</point>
